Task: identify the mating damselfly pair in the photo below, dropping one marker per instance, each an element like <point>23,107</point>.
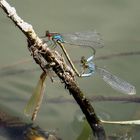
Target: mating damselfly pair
<point>91,40</point>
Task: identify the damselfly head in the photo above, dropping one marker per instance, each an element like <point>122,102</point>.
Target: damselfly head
<point>58,37</point>
<point>83,60</point>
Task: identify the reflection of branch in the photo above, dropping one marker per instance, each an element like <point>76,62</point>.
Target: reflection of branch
<point>23,61</point>
<point>43,56</point>
<point>109,56</point>
<point>128,99</point>
<point>117,54</point>
<point>98,98</point>
<point>95,98</point>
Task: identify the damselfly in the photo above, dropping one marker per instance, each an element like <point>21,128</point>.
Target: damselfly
<point>85,39</point>
<point>112,80</point>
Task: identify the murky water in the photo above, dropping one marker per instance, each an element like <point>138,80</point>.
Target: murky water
<point>117,21</point>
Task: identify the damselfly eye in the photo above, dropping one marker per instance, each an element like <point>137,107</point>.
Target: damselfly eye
<point>83,60</point>
<point>47,33</point>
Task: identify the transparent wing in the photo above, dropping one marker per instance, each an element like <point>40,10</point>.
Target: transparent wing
<point>115,82</point>
<point>36,98</point>
<point>90,38</point>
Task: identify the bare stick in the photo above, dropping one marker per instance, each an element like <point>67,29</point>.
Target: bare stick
<point>43,55</point>
<point>131,122</point>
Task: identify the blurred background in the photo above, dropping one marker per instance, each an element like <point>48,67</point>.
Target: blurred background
<point>118,23</point>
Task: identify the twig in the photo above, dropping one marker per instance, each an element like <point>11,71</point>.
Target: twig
<point>44,56</point>
<point>132,122</point>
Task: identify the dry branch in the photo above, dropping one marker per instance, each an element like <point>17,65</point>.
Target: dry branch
<point>44,57</point>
